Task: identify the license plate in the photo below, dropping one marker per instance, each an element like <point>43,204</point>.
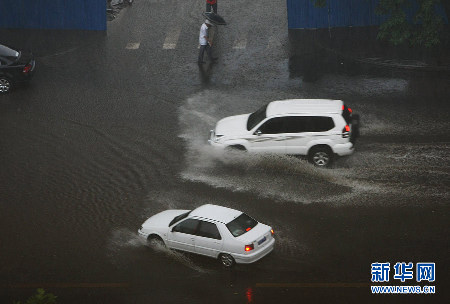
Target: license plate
<point>261,240</point>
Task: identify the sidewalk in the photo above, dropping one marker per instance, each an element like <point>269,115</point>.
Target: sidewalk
<point>359,47</point>
<point>46,42</point>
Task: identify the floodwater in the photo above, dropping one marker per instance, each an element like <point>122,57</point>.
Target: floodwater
<point>106,136</point>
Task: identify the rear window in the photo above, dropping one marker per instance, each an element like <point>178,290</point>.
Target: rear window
<point>8,54</point>
<point>298,124</point>
<point>256,117</point>
<point>241,225</point>
<point>347,114</point>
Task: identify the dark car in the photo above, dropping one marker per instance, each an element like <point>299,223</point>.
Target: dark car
<point>15,67</point>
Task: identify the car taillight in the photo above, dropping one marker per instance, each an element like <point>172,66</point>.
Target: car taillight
<point>346,131</point>
<point>249,247</point>
<point>27,68</point>
<point>271,231</point>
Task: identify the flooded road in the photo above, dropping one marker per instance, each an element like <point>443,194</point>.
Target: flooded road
<point>108,134</point>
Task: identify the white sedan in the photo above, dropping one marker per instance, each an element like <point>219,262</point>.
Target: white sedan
<point>218,232</point>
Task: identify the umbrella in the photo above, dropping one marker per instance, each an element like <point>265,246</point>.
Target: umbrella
<point>214,18</point>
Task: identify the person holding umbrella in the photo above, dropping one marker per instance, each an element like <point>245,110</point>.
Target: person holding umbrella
<point>211,4</point>
<point>205,42</point>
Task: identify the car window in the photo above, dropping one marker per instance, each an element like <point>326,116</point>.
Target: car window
<point>255,118</point>
<point>298,124</point>
<point>9,54</point>
<point>188,226</point>
<point>179,218</point>
<point>321,124</point>
<point>241,225</point>
<point>273,126</point>
<point>209,230</point>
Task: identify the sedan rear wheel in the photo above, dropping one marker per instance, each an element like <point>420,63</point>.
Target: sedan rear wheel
<point>226,260</point>
<point>5,85</point>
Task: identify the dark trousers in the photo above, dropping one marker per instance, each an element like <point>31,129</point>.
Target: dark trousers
<point>204,48</point>
<point>214,7</point>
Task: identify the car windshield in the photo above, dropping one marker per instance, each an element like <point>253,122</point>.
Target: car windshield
<point>241,225</point>
<point>179,218</point>
<point>256,117</point>
<point>8,53</point>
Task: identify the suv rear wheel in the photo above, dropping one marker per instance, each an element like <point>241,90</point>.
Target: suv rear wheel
<point>321,156</point>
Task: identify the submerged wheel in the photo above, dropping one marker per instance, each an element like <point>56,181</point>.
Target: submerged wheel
<point>5,85</point>
<point>155,241</point>
<point>236,148</point>
<point>321,157</point>
<point>226,260</point>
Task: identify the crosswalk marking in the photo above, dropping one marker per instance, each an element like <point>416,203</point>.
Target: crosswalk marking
<point>274,42</point>
<point>133,45</point>
<point>241,42</point>
<point>171,39</point>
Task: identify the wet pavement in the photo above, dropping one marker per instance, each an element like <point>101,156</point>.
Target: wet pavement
<point>113,129</point>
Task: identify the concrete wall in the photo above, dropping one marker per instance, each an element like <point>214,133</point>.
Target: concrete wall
<point>53,14</point>
<point>338,13</point>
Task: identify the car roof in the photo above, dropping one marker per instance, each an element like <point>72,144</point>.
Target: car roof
<point>215,213</point>
<point>304,106</point>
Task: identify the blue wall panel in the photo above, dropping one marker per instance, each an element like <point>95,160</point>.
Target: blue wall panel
<point>339,13</point>
<point>53,14</point>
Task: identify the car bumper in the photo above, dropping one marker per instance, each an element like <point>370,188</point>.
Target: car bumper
<point>216,144</point>
<point>213,142</point>
<point>253,257</point>
<point>344,149</point>
<point>142,234</point>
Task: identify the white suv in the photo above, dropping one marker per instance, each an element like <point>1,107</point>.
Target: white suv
<point>318,128</point>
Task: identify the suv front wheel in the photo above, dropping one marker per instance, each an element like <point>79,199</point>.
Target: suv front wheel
<point>321,156</point>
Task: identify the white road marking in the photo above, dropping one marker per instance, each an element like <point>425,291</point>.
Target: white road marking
<point>274,42</point>
<point>172,38</point>
<point>133,45</point>
<point>241,42</point>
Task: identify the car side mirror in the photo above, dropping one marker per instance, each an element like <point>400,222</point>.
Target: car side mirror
<point>258,132</point>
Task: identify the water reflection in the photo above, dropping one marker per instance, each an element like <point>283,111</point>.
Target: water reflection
<point>249,295</point>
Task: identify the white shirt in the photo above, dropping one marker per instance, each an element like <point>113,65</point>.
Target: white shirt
<point>203,33</point>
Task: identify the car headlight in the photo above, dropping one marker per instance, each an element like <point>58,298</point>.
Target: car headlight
<point>213,136</point>
<point>217,138</point>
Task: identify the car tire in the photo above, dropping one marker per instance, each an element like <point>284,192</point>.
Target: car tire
<point>226,260</point>
<point>5,85</point>
<point>236,148</point>
<point>155,241</point>
<point>321,156</point>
